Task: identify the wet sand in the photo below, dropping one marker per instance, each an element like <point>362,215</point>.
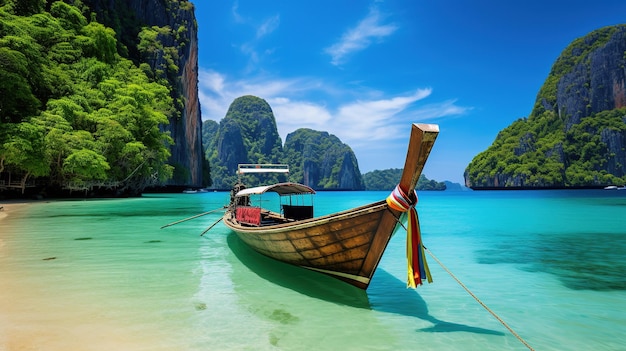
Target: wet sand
<point>26,321</point>
<point>10,339</point>
<point>11,208</point>
<point>35,315</point>
<point>8,211</point>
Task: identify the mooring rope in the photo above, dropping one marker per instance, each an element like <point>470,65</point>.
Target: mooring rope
<point>480,302</point>
<point>473,295</point>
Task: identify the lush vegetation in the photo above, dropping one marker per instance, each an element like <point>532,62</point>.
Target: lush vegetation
<point>528,152</point>
<point>248,134</point>
<point>209,130</point>
<point>322,160</point>
<point>388,179</point>
<point>72,110</point>
<point>542,154</point>
<point>551,148</point>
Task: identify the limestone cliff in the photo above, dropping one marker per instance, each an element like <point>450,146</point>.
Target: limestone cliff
<point>575,135</point>
<point>248,134</point>
<point>590,76</point>
<point>321,161</point>
<point>173,56</point>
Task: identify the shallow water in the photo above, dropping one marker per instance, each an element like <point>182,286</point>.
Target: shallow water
<point>101,275</point>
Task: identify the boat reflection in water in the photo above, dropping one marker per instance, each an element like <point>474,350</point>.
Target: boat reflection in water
<point>401,301</point>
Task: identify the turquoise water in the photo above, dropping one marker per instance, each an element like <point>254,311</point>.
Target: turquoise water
<point>101,275</point>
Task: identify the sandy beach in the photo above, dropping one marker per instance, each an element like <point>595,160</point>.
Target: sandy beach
<point>9,210</point>
<point>12,208</point>
<point>22,327</point>
<point>6,209</point>
<point>37,314</point>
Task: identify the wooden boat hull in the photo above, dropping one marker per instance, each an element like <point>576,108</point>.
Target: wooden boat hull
<point>347,245</point>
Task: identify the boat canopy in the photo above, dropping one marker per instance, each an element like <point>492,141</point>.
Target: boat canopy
<point>280,188</point>
<point>262,168</point>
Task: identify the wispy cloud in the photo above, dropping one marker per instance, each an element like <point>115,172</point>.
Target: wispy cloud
<point>355,122</point>
<point>375,119</point>
<point>235,11</point>
<point>366,32</point>
<point>439,110</point>
<point>268,26</point>
<point>216,93</point>
<point>262,29</point>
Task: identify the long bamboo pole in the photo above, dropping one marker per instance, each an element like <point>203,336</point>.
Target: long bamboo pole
<point>212,225</point>
<point>192,217</point>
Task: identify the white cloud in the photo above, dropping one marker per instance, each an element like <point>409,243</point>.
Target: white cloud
<point>443,109</point>
<point>268,26</point>
<point>235,10</point>
<point>251,48</point>
<point>364,121</point>
<point>360,37</point>
<point>216,92</point>
<point>356,122</point>
<point>291,115</point>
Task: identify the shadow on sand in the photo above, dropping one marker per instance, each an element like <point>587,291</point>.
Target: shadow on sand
<point>398,300</point>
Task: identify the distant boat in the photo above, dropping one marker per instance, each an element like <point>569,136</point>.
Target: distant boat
<point>195,191</point>
<point>615,187</point>
<point>347,245</point>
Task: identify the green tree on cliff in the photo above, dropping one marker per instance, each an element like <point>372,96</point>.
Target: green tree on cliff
<point>71,108</point>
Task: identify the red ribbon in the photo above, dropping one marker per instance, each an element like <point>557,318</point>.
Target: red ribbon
<point>417,267</point>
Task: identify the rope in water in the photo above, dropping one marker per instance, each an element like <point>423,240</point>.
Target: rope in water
<point>480,302</point>
<point>473,295</point>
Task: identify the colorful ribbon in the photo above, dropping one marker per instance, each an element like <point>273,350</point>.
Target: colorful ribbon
<point>415,255</point>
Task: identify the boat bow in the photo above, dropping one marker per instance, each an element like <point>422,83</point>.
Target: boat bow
<point>347,245</point>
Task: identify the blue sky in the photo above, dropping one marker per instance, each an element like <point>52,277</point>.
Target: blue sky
<point>365,70</point>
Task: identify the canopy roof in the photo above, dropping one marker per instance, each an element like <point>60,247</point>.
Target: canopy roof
<point>280,188</point>
<point>262,168</point>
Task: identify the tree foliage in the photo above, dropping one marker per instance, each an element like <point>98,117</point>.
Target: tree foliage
<point>247,134</point>
<point>552,148</point>
<point>541,154</point>
<point>321,160</point>
<point>388,179</point>
<point>71,108</point>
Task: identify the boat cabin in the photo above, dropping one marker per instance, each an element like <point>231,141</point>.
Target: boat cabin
<point>271,204</point>
<point>290,202</point>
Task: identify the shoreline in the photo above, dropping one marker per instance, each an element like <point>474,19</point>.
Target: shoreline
<point>12,207</point>
<point>10,210</point>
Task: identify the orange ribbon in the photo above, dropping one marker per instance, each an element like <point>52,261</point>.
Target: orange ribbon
<point>417,267</point>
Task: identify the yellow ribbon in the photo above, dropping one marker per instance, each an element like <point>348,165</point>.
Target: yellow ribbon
<point>417,267</point>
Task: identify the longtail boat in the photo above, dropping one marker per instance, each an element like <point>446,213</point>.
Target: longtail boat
<point>347,245</point>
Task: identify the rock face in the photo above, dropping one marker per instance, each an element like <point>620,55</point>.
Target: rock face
<point>321,161</point>
<point>174,59</point>
<point>575,135</point>
<point>248,134</point>
<point>596,82</point>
